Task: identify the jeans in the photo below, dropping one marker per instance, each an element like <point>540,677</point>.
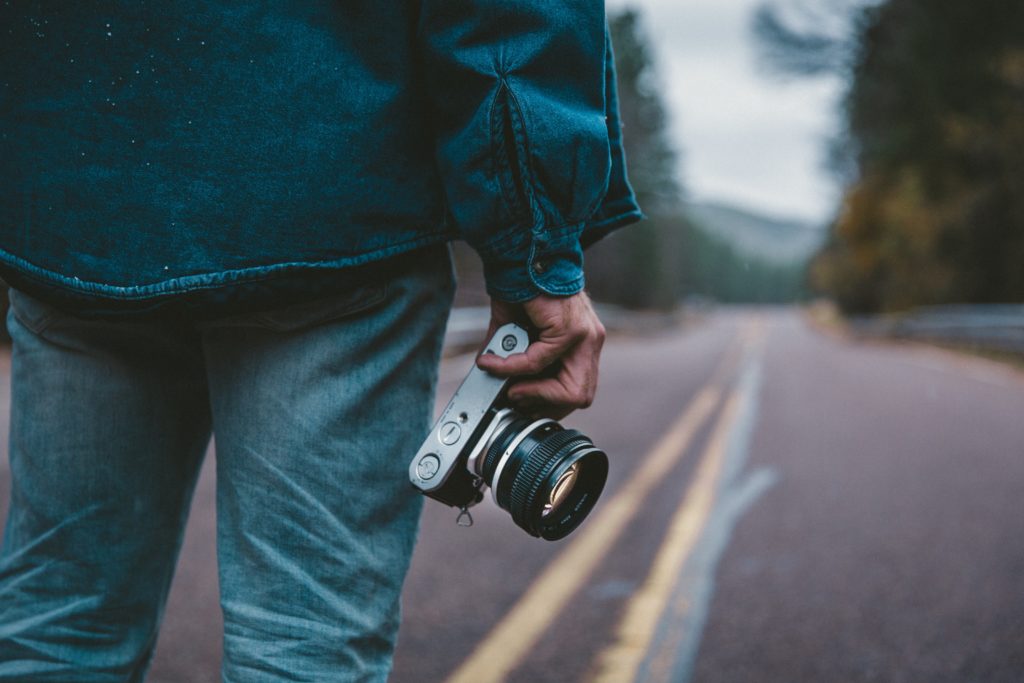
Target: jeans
<point>317,409</point>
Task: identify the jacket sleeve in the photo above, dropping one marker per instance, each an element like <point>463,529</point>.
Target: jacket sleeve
<point>517,90</point>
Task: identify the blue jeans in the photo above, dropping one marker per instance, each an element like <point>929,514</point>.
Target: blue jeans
<point>317,409</point>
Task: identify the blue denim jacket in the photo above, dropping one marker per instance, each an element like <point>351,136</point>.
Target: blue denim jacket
<point>152,150</point>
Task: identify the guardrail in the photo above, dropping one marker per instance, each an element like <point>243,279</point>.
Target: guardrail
<point>995,327</point>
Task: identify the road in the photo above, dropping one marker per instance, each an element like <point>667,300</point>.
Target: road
<point>783,505</point>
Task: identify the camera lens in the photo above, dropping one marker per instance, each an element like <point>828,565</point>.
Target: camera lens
<point>546,476</point>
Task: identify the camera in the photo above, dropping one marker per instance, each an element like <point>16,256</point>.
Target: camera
<point>547,477</point>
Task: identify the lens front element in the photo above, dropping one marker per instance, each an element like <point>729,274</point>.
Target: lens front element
<point>562,488</point>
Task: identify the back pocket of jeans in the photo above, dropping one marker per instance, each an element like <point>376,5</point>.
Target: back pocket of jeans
<point>31,312</point>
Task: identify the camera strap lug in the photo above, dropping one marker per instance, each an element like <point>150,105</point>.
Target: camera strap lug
<point>464,518</point>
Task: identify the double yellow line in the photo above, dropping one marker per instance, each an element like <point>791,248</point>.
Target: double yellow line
<point>514,636</point>
<point>621,661</point>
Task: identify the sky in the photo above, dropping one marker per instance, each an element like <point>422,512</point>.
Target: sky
<point>745,137</point>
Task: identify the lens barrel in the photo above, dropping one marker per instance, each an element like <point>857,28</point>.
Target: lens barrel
<point>546,476</point>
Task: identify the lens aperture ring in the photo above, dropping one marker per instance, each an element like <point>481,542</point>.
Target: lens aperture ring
<point>498,446</point>
<point>535,471</point>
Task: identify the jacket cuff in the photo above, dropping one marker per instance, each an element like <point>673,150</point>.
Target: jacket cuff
<point>520,267</point>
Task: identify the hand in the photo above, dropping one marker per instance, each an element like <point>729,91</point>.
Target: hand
<point>566,350</point>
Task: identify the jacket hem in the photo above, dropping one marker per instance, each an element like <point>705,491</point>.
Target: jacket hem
<point>205,281</point>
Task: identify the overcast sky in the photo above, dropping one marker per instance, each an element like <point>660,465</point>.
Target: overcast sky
<point>746,138</point>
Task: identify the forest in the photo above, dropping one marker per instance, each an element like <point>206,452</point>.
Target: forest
<point>932,151</point>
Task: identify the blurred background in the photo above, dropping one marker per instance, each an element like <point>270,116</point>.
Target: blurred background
<point>812,393</point>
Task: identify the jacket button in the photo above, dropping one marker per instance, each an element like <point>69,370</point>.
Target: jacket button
<point>539,266</point>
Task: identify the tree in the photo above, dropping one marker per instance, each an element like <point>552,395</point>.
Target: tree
<point>934,117</point>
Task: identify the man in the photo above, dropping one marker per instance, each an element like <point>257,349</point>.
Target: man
<point>231,216</point>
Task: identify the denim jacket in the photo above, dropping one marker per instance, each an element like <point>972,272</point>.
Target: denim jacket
<point>152,150</point>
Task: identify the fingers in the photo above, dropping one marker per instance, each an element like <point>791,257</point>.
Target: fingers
<point>555,397</point>
<point>568,346</point>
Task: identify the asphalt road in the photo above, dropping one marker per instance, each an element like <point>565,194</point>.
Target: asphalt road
<point>784,505</point>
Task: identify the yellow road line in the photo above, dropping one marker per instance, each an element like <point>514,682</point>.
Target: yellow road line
<point>620,662</point>
<point>514,636</point>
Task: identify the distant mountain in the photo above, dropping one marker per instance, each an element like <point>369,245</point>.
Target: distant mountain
<point>771,240</point>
